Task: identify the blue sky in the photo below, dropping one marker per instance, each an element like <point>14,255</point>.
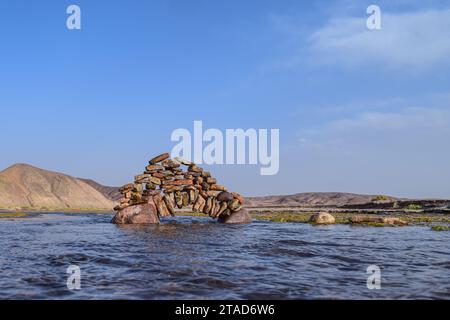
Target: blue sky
<point>358,111</point>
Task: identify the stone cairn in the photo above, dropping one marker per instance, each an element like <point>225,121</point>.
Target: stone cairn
<point>168,186</point>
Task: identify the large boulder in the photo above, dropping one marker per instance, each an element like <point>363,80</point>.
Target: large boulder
<point>241,216</point>
<point>322,218</point>
<point>137,214</point>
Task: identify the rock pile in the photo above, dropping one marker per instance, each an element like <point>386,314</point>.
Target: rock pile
<point>165,183</point>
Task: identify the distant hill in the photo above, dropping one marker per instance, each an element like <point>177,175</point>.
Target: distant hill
<point>111,193</point>
<point>311,199</point>
<point>26,187</point>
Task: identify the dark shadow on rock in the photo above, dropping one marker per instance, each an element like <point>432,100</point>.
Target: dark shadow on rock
<point>137,214</point>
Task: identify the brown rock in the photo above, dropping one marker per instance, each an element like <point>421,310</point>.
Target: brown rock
<point>154,168</point>
<point>172,197</point>
<point>199,180</point>
<point>159,158</point>
<point>169,204</point>
<point>172,188</point>
<point>241,216</point>
<point>225,196</point>
<point>395,221</point>
<point>138,214</point>
<point>205,186</point>
<point>128,194</point>
<point>137,187</point>
<point>183,161</point>
<point>193,174</point>
<point>223,206</point>
<point>194,168</point>
<point>178,182</point>
<point>322,218</point>
<point>216,209</point>
<point>179,199</point>
<point>150,186</point>
<point>155,181</point>
<point>211,180</point>
<point>136,196</point>
<point>124,200</point>
<point>206,174</point>
<point>170,164</point>
<point>199,204</point>
<point>121,206</point>
<point>193,194</point>
<point>126,188</point>
<point>161,206</point>
<point>159,175</point>
<point>218,187</point>
<point>185,197</point>
<point>234,205</point>
<point>208,206</point>
<point>150,192</point>
<point>239,197</point>
<point>203,194</point>
<point>141,177</point>
<point>212,193</point>
<point>213,208</point>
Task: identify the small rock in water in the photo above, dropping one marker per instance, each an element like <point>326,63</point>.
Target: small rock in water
<point>322,218</point>
<point>241,216</point>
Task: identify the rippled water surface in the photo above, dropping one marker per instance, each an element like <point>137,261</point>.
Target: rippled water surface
<point>195,258</point>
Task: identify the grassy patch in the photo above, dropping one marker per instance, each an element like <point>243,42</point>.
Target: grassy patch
<point>413,206</point>
<point>381,198</point>
<point>440,228</point>
<point>341,217</point>
<point>13,215</point>
<point>190,214</point>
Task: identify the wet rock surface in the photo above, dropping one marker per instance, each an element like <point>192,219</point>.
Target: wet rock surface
<point>137,214</point>
<point>241,216</point>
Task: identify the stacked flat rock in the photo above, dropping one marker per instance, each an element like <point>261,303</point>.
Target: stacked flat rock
<point>178,183</point>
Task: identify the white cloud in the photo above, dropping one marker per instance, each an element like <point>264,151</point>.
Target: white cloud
<point>417,40</point>
<point>403,153</point>
<point>427,128</point>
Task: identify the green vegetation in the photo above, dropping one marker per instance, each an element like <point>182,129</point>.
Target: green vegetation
<point>440,228</point>
<point>381,198</point>
<point>13,215</point>
<point>190,214</point>
<point>413,206</point>
<point>341,217</point>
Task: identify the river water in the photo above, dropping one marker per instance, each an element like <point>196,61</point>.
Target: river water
<point>196,258</point>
